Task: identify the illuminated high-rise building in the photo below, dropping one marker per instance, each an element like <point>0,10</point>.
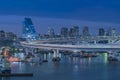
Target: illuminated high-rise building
<point>74,31</point>
<point>86,31</point>
<point>29,32</point>
<point>71,32</point>
<point>2,34</point>
<point>111,32</point>
<point>101,32</point>
<point>64,32</point>
<point>51,33</point>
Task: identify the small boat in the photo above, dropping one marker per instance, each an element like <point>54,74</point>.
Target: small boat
<point>110,58</point>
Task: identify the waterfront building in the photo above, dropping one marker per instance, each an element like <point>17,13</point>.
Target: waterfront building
<point>51,32</point>
<point>74,31</point>
<point>2,34</point>
<point>71,32</point>
<point>10,36</point>
<point>85,31</point>
<point>111,32</point>
<point>46,36</point>
<point>101,32</point>
<point>64,32</point>
<point>29,31</point>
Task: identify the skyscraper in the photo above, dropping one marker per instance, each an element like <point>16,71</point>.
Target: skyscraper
<point>86,31</point>
<point>64,32</point>
<point>101,32</point>
<point>111,32</point>
<point>29,30</point>
<point>51,33</point>
<point>74,31</point>
<point>2,34</point>
<point>71,32</point>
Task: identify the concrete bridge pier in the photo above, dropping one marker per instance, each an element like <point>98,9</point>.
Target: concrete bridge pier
<point>29,51</point>
<point>44,54</point>
<point>95,42</point>
<point>36,50</point>
<point>26,51</point>
<point>56,55</point>
<point>32,51</point>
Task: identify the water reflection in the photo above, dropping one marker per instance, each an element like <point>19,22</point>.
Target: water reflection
<point>69,68</point>
<point>4,78</point>
<point>105,56</point>
<point>76,68</point>
<point>89,60</point>
<point>75,60</point>
<point>56,64</point>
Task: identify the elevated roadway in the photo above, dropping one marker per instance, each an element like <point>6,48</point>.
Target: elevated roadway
<point>72,47</point>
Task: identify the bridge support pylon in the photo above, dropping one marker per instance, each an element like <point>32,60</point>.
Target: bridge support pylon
<point>26,51</point>
<point>32,51</point>
<point>56,55</point>
<point>44,57</point>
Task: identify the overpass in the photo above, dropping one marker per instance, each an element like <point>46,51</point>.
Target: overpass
<point>72,47</point>
<point>81,47</point>
<point>57,47</point>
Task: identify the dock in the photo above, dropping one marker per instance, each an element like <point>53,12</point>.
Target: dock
<point>16,75</point>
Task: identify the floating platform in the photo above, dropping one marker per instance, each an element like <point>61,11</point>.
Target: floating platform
<point>16,75</point>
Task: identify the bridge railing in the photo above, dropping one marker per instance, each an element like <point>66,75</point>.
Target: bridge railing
<point>73,46</point>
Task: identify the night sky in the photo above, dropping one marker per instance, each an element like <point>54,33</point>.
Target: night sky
<point>87,10</point>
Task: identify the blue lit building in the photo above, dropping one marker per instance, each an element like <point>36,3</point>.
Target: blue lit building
<point>29,32</point>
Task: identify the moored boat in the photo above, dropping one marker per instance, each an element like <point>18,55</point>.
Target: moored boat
<point>110,58</point>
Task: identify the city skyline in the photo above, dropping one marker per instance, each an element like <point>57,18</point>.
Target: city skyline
<point>11,22</point>
<point>60,13</point>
